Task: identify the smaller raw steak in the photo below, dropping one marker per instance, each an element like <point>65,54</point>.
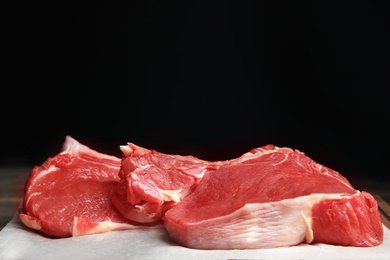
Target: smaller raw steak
<point>153,182</point>
<point>280,198</point>
<point>70,194</point>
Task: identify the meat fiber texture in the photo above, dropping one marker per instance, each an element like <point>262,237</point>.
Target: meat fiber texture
<point>152,182</point>
<point>70,194</point>
<point>269,197</point>
<point>280,198</point>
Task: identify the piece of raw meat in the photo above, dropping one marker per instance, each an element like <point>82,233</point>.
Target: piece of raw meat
<point>152,182</point>
<point>280,198</point>
<point>70,194</point>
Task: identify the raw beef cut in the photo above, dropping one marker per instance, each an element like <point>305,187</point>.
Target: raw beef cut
<point>279,198</point>
<point>70,194</point>
<point>152,182</point>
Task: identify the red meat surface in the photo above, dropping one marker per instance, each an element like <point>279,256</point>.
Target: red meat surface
<point>70,194</point>
<point>153,182</point>
<point>279,198</point>
<point>268,197</point>
<point>349,221</point>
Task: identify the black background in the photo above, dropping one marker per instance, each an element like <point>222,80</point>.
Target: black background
<point>209,78</point>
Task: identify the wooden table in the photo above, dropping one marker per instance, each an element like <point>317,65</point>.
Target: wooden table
<point>12,182</point>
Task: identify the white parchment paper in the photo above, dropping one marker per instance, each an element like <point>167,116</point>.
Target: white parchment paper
<point>18,242</point>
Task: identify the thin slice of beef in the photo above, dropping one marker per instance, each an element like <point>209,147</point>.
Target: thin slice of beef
<point>279,198</point>
<point>153,182</point>
<point>70,194</point>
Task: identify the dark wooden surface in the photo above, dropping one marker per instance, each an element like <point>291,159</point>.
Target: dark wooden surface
<point>12,182</point>
<point>13,179</point>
